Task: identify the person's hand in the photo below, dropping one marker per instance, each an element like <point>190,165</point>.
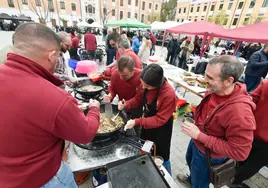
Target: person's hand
<point>107,98</point>
<point>130,124</point>
<point>190,129</point>
<point>121,104</point>
<point>93,102</point>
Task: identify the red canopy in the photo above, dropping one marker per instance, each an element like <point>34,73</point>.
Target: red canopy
<point>197,28</point>
<point>251,33</point>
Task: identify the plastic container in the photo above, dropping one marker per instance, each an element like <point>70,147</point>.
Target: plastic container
<point>86,66</point>
<point>72,63</point>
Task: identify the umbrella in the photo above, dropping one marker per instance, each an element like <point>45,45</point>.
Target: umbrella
<point>128,22</point>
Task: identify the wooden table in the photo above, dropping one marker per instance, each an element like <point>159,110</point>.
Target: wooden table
<point>173,74</point>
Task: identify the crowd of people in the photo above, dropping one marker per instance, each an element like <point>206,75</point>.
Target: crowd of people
<point>38,115</point>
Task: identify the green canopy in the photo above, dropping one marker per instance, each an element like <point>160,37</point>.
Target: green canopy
<point>128,22</point>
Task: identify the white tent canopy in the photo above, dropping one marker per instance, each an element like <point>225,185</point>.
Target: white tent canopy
<point>95,24</point>
<point>166,25</point>
<point>83,24</point>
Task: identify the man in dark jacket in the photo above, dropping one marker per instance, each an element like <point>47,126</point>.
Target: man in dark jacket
<point>257,68</point>
<point>172,48</point>
<point>254,47</point>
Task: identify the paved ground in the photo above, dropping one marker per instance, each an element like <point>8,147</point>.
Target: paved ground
<point>179,140</point>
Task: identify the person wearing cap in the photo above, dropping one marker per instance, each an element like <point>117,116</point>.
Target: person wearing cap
<point>158,102</point>
<point>144,52</point>
<point>187,48</point>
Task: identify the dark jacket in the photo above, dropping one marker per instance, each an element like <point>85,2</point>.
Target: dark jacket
<point>172,46</point>
<point>252,50</point>
<point>257,64</point>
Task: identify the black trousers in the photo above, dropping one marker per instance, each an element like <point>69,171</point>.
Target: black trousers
<point>257,158</point>
<point>170,57</point>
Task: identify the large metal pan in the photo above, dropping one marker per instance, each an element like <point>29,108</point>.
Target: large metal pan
<point>101,136</point>
<point>79,84</point>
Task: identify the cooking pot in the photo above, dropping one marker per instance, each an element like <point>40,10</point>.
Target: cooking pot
<point>101,136</point>
<point>82,83</point>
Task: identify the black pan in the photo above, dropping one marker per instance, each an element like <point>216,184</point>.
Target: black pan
<point>83,83</point>
<point>100,136</point>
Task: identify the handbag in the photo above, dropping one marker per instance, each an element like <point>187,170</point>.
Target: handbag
<point>220,174</point>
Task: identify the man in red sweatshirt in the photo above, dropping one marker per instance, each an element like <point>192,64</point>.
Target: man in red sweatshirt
<point>226,110</point>
<point>258,156</point>
<point>36,115</point>
<point>125,82</point>
<point>90,43</point>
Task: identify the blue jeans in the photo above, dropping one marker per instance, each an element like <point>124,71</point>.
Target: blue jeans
<point>252,82</point>
<point>167,165</point>
<point>196,160</point>
<point>64,178</point>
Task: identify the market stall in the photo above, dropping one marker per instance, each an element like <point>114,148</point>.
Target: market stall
<point>127,23</point>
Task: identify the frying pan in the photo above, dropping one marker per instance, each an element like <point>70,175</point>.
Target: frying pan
<point>101,136</point>
<point>81,83</point>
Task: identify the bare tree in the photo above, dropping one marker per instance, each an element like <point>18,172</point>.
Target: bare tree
<point>41,9</point>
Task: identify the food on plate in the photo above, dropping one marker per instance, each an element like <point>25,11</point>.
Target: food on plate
<point>201,82</point>
<point>106,125</point>
<point>203,85</point>
<point>90,88</point>
<point>94,75</point>
<point>189,78</point>
<point>191,82</point>
<point>187,74</point>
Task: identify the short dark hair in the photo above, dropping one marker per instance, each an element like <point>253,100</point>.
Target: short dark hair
<point>231,66</point>
<point>125,61</point>
<point>32,31</point>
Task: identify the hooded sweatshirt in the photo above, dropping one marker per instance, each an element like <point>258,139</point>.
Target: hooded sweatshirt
<point>229,122</point>
<point>260,98</point>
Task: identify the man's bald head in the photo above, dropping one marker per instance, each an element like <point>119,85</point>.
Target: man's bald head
<point>66,41</point>
<point>37,43</point>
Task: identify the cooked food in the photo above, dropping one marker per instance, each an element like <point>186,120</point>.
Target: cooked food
<point>189,78</point>
<point>191,82</point>
<point>203,85</point>
<point>187,74</point>
<point>106,125</point>
<point>90,88</point>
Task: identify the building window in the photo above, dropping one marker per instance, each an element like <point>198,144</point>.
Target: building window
<point>38,3</point>
<point>142,18</point>
<point>198,8</point>
<point>113,0</point>
<point>136,15</point>
<point>143,5</point>
<point>10,3</point>
<point>240,5</point>
<point>179,11</point>
<point>113,12</point>
<point>225,21</point>
<point>149,18</point>
<point>195,20</point>
<point>129,2</point>
<point>86,8</point>
<point>259,19</point>
<point>246,21</point>
<point>221,6</point>
<point>192,9</point>
<point>212,7</point>
<point>235,21</point>
<point>73,6</point>
<point>190,19</point>
<point>156,7</point>
<point>137,3</point>
<point>128,14</point>
<point>205,8</point>
<point>182,20</point>
<point>252,3</point>
<point>121,15</point>
<point>25,2</point>
<point>184,10</point>
<point>62,5</point>
<point>93,10</point>
<point>90,9</point>
<point>230,6</point>
<point>121,3</point>
<point>150,5</point>
<point>265,3</point>
<point>50,5</point>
